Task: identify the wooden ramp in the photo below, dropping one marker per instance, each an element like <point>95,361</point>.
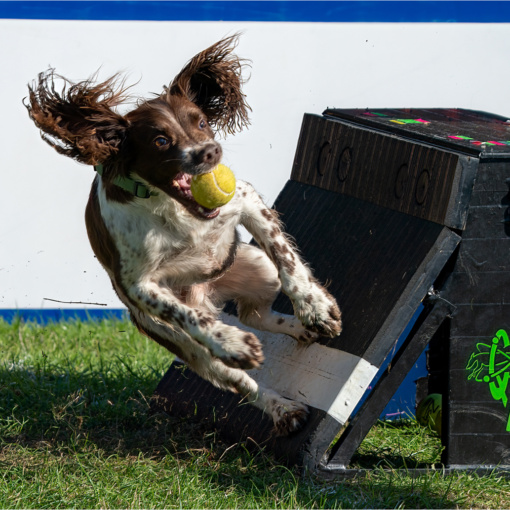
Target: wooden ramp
<point>377,203</point>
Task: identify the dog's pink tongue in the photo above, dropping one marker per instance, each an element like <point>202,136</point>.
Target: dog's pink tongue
<point>183,180</point>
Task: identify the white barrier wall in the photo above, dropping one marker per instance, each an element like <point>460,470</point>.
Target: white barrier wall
<point>296,68</point>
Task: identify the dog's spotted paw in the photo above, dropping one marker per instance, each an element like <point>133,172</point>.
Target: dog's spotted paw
<point>244,351</point>
<point>307,337</point>
<point>289,416</point>
<point>319,312</point>
<point>331,324</point>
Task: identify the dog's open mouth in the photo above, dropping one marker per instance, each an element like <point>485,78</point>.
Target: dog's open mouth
<point>181,186</point>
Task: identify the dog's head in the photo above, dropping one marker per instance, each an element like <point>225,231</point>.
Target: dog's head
<point>165,140</point>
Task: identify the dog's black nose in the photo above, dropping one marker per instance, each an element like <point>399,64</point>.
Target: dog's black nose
<point>212,154</point>
<point>209,154</point>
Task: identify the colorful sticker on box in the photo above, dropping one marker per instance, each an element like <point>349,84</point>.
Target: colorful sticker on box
<point>410,121</point>
<point>478,142</point>
<point>490,364</point>
<point>397,121</point>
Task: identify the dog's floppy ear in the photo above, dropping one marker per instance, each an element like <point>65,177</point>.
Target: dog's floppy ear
<point>213,80</point>
<point>79,121</point>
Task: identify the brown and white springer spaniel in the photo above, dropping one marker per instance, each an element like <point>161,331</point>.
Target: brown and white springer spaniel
<point>172,262</point>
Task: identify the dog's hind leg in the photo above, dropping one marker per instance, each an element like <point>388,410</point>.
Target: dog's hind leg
<point>287,415</point>
<point>261,316</point>
<point>253,283</point>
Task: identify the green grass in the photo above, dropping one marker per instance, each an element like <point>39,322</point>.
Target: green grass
<point>76,430</point>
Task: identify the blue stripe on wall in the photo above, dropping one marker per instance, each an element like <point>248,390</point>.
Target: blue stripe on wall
<point>44,316</point>
<point>300,11</point>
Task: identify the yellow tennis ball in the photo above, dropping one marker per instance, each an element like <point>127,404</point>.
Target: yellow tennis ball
<point>429,412</point>
<point>214,188</point>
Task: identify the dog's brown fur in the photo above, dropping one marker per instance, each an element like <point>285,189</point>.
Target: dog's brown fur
<point>172,262</point>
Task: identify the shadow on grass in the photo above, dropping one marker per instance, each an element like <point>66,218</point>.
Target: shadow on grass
<point>61,410</point>
<point>107,413</point>
<point>400,444</point>
<point>57,407</point>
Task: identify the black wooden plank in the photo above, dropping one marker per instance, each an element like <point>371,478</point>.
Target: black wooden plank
<point>485,255</point>
<point>411,178</point>
<point>182,393</point>
<point>423,330</point>
<point>489,287</point>
<point>492,176</point>
<point>438,364</point>
<point>377,252</point>
<point>428,277</point>
<point>486,222</point>
<point>479,288</point>
<point>465,386</point>
<point>490,197</point>
<point>480,450</point>
<point>480,320</point>
<point>335,473</point>
<point>370,254</point>
<point>440,128</point>
<point>474,417</point>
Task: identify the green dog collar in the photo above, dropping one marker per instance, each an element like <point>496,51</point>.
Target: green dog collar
<point>127,184</point>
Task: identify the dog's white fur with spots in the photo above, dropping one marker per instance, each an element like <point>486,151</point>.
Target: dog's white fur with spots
<point>173,263</point>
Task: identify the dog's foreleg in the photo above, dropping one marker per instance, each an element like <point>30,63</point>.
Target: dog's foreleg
<point>313,304</point>
<point>253,283</point>
<point>235,348</point>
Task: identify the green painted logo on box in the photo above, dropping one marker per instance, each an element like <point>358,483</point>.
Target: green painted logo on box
<point>490,364</point>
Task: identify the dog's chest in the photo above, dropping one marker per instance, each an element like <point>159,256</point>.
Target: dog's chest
<point>169,245</point>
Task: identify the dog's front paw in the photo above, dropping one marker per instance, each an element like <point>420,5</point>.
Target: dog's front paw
<point>289,416</point>
<point>319,312</point>
<point>241,350</point>
<point>307,337</point>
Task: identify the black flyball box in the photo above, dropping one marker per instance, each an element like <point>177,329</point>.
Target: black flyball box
<point>405,213</point>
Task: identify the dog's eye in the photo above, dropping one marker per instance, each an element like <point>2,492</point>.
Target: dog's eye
<point>160,141</point>
<point>202,124</point>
